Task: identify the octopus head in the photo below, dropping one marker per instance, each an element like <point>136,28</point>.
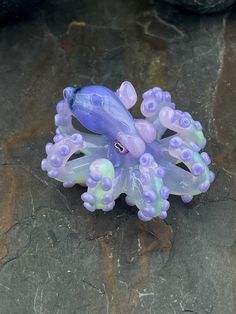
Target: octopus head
<point>100,110</point>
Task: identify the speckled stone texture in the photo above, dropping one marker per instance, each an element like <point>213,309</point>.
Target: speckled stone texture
<point>57,258</point>
<point>203,6</point>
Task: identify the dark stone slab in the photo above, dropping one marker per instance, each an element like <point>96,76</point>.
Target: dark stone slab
<point>12,10</point>
<point>54,256</point>
<point>203,6</point>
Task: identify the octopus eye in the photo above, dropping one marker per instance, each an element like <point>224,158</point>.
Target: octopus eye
<point>120,148</point>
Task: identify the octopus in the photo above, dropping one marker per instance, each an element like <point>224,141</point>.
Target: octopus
<point>121,154</point>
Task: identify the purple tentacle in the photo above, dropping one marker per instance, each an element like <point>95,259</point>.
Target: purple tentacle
<point>57,164</point>
<point>153,100</point>
<point>146,189</point>
<point>183,124</point>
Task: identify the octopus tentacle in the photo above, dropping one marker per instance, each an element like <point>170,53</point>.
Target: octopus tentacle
<point>57,164</point>
<point>146,189</point>
<point>183,124</point>
<point>153,100</point>
<point>100,194</point>
<point>181,182</point>
<point>63,119</point>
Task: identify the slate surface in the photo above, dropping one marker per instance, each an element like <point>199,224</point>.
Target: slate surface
<point>54,256</point>
<point>203,6</point>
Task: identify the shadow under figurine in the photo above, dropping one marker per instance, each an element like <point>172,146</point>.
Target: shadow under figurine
<point>127,155</point>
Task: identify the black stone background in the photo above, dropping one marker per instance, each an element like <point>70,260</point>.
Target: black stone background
<point>54,256</point>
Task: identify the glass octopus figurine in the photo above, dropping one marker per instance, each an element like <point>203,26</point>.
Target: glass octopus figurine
<point>127,155</point>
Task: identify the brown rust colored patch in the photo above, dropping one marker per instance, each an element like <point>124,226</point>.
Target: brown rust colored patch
<point>6,220</point>
<point>143,261</point>
<point>26,134</point>
<point>224,108</point>
<point>110,284</point>
<point>108,262</point>
<point>161,238</point>
<point>3,247</point>
<point>162,233</point>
